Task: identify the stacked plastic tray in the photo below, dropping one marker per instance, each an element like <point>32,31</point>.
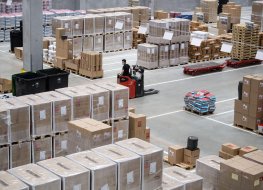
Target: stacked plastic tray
<point>200,101</point>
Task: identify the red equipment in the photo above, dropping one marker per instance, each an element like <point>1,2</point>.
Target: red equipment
<point>241,63</point>
<point>201,68</point>
<point>130,83</point>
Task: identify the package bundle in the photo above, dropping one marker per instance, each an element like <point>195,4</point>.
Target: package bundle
<point>257,12</point>
<point>148,56</point>
<point>234,10</point>
<point>209,8</point>
<point>200,101</point>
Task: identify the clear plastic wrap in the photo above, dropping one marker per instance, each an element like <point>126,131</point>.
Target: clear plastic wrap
<point>8,181</point>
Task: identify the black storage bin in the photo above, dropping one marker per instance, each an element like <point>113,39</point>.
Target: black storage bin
<point>16,39</point>
<point>240,89</point>
<point>56,78</point>
<point>28,83</point>
<point>192,143</point>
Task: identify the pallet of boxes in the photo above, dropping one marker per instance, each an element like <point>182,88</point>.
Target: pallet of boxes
<point>257,11</point>
<point>5,85</point>
<point>249,109</point>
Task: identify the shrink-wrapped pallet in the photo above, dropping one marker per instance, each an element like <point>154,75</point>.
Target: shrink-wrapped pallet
<point>9,182</point>
<point>147,56</point>
<point>164,56</point>
<point>118,41</point>
<point>20,154</point>
<point>174,54</point>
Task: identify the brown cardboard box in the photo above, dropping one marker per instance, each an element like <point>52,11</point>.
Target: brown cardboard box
<point>257,84</point>
<point>242,174</point>
<point>190,160</point>
<point>247,82</point>
<point>256,110</point>
<point>19,53</point>
<point>230,148</point>
<point>190,180</point>
<point>245,96</point>
<point>175,154</point>
<point>242,120</point>
<point>103,171</point>
<point>148,134</point>
<point>61,110</point>
<point>100,101</point>
<point>4,157</point>
<point>86,134</point>
<point>4,125</point>
<point>73,175</point>
<point>120,130</point>
<point>225,155</point>
<point>208,167</point>
<point>20,154</point>
<point>129,165</point>
<point>253,122</point>
<point>41,149</point>
<point>60,145</point>
<point>88,43</point>
<point>5,85</point>
<point>241,107</point>
<point>255,156</point>
<point>190,153</point>
<point>41,116</point>
<point>137,126</point>
<point>132,110</point>
<point>151,158</point>
<point>119,95</point>
<point>60,63</point>
<point>36,177</point>
<point>11,182</point>
<point>81,102</point>
<point>19,119</point>
<point>171,184</point>
<point>247,149</point>
<point>256,98</point>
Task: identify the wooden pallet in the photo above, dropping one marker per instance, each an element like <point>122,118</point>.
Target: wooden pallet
<point>120,119</point>
<point>6,91</point>
<point>72,71</point>
<point>201,114</point>
<point>246,128</point>
<point>181,165</point>
<point>37,137</point>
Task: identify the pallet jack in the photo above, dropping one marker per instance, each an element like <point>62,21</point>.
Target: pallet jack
<point>135,83</point>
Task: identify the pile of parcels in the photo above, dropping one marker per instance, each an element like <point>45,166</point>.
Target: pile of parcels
<point>249,109</point>
<point>200,101</point>
<point>209,49</point>
<point>42,121</point>
<point>257,12</point>
<point>198,26</point>
<point>5,85</point>
<point>138,38</point>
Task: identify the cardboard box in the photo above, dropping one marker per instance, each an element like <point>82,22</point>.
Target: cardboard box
<point>36,177</point>
<point>11,182</point>
<point>247,82</point>
<point>4,157</point>
<point>73,175</point>
<point>5,85</point>
<point>137,126</point>
<point>151,159</point>
<point>148,134</point>
<point>19,53</point>
<point>225,155</point>
<point>241,120</point>
<point>255,156</point>
<point>230,148</point>
<point>103,171</point>
<point>41,115</point>
<point>60,62</point>
<point>41,149</point>
<point>256,110</point>
<point>85,134</point>
<point>81,102</point>
<point>190,153</point>
<point>100,101</point>
<point>61,110</point>
<point>257,84</point>
<point>190,180</point>
<point>256,98</point>
<point>119,95</point>
<point>241,107</point>
<point>171,184</point>
<point>253,122</point>
<point>4,125</point>
<point>208,167</point>
<point>20,154</point>
<point>239,173</point>
<point>191,160</point>
<point>129,165</point>
<point>120,130</point>
<point>60,145</point>
<point>19,119</point>
<point>247,149</point>
<point>132,110</point>
<point>175,154</point>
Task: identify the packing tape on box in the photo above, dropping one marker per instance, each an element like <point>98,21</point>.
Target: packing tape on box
<point>77,187</point>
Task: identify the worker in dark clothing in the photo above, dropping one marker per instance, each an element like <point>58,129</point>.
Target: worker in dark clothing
<point>126,69</point>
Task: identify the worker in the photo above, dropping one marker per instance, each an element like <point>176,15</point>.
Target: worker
<point>126,69</point>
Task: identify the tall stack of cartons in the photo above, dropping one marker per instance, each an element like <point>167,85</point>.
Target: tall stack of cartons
<point>234,10</point>
<point>209,8</point>
<point>257,13</point>
<point>147,56</point>
<point>224,23</point>
<point>249,110</point>
<point>245,41</point>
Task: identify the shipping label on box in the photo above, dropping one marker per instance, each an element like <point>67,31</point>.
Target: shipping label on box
<point>41,149</point>
<point>120,130</point>
<point>60,145</point>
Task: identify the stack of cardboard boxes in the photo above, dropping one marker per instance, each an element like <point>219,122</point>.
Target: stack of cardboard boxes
<point>228,151</point>
<point>198,26</point>
<point>137,126</point>
<point>209,8</point>
<point>224,23</point>
<point>161,14</point>
<point>249,110</point>
<point>234,10</point>
<point>138,38</point>
<point>19,53</point>
<point>257,12</point>
<point>147,56</point>
<point>5,85</point>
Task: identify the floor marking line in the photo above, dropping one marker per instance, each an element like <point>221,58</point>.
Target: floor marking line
<point>201,76</point>
<point>227,100</point>
<point>222,113</point>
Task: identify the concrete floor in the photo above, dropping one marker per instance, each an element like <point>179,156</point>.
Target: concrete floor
<point>169,123</point>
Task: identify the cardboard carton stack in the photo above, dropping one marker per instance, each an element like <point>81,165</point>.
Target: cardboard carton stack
<point>164,60</point>
<point>209,8</point>
<point>147,56</point>
<point>161,14</point>
<point>5,85</point>
<point>151,161</point>
<point>198,15</point>
<point>228,151</point>
<point>190,180</point>
<point>240,173</point>
<point>255,156</point>
<point>129,165</point>
<point>85,134</point>
<point>224,23</point>
<point>11,182</point>
<point>141,15</point>
<point>103,171</point>
<point>19,53</point>
<point>138,38</point>
<point>245,41</point>
<point>190,156</point>
<point>257,12</point>
<point>73,175</point>
<point>234,10</point>
<point>20,154</point>
<point>198,26</point>
<point>41,148</point>
<point>137,126</point>
<point>249,111</point>
<point>91,64</point>
<point>209,168</point>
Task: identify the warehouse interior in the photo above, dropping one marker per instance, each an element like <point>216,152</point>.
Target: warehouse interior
<point>170,123</point>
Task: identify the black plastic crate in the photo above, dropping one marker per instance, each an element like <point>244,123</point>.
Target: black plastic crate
<point>56,78</point>
<point>28,83</point>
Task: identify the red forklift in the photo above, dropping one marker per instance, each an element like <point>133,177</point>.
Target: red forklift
<point>135,83</point>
